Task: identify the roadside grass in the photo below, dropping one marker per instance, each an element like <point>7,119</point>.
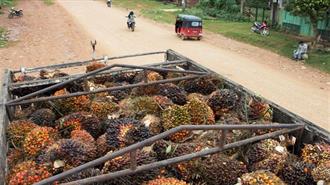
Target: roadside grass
<point>3,38</point>
<point>48,2</point>
<point>278,42</point>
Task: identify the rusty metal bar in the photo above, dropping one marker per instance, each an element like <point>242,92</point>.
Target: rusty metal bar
<point>102,90</point>
<point>79,63</point>
<point>179,159</point>
<point>60,79</point>
<point>222,138</point>
<point>163,135</point>
<point>133,160</point>
<point>59,85</point>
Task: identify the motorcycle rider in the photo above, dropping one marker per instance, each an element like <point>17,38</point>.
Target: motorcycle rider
<point>263,25</point>
<point>130,19</point>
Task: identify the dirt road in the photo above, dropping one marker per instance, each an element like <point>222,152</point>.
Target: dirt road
<point>304,91</point>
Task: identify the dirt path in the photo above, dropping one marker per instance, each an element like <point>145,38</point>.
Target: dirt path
<point>294,86</point>
<point>45,35</point>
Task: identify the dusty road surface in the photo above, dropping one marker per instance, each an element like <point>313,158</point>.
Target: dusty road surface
<point>43,36</point>
<point>303,91</point>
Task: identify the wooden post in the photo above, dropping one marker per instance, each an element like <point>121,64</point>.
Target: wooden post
<point>93,47</point>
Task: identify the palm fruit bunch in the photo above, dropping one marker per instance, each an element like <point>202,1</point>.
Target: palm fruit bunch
<point>67,124</point>
<point>166,149</point>
<point>78,121</point>
<point>90,172</point>
<point>14,156</point>
<point>94,66</point>
<point>20,167</point>
<point>222,101</point>
<point>17,131</point>
<point>175,116</point>
<point>173,92</point>
<point>297,173</point>
<point>153,123</point>
<point>201,85</point>
<point>218,169</point>
<point>273,163</point>
<point>136,134</point>
<point>43,117</point>
<point>88,140</point>
<point>153,76</point>
<point>123,162</point>
<point>23,77</point>
<point>261,150</point>
<point>76,86</point>
<point>162,101</point>
<point>102,107</point>
<point>261,177</point>
<point>196,96</point>
<point>118,94</point>
<point>47,74</point>
<point>102,145</point>
<point>166,181</point>
<point>322,171</point>
<point>124,77</point>
<point>29,176</point>
<point>72,104</point>
<point>259,110</point>
<point>173,75</point>
<point>72,152</point>
<point>138,107</point>
<point>314,153</point>
<point>119,133</point>
<point>230,118</point>
<point>200,112</point>
<point>38,139</point>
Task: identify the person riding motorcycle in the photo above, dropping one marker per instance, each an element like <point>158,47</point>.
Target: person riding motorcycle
<point>130,19</point>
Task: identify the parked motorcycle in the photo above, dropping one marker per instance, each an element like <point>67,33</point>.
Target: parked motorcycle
<point>260,28</point>
<point>109,3</point>
<point>13,13</point>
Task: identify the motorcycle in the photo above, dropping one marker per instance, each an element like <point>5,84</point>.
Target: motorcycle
<point>258,28</point>
<point>131,23</point>
<point>109,4</point>
<point>13,13</point>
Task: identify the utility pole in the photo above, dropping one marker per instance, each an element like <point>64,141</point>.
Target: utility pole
<point>242,6</point>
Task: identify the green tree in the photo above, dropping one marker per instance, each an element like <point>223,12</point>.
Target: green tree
<point>257,3</point>
<point>314,9</point>
<point>5,3</point>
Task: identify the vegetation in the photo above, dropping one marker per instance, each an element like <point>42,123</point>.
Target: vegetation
<point>5,3</point>
<point>3,37</point>
<point>314,9</point>
<point>48,2</point>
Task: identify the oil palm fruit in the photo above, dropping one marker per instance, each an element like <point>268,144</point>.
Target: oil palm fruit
<point>124,77</point>
<point>72,104</point>
<point>38,139</point>
<point>273,163</point>
<point>102,145</point>
<point>14,156</point>
<point>261,177</point>
<point>322,171</point>
<point>175,93</point>
<point>166,181</point>
<point>29,176</point>
<point>20,167</point>
<point>138,107</point>
<point>90,172</point>
<point>200,112</point>
<point>43,117</point>
<point>197,96</point>
<point>94,66</point>
<point>102,107</point>
<point>201,85</point>
<point>259,110</point>
<point>297,173</point>
<point>125,131</point>
<point>222,101</point>
<point>17,131</point>
<point>88,140</point>
<point>162,101</point>
<point>123,162</point>
<point>175,116</point>
<point>218,169</point>
<point>313,153</point>
<point>261,150</point>
<point>118,94</point>
<point>153,123</point>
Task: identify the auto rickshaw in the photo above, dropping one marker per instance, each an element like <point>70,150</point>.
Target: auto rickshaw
<point>188,26</point>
